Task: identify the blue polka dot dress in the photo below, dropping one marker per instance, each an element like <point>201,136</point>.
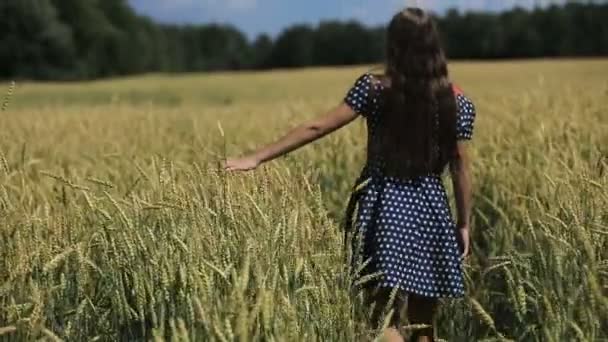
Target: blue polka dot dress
<point>405,235</point>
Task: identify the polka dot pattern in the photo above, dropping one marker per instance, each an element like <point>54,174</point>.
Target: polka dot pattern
<point>466,118</point>
<point>358,98</point>
<point>406,228</point>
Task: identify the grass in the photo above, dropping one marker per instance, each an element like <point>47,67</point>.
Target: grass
<point>117,224</point>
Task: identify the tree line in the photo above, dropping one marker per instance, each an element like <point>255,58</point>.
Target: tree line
<point>88,39</point>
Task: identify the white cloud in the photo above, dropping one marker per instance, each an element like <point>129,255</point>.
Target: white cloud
<point>366,10</point>
<point>213,5</point>
<point>175,4</point>
<point>238,5</point>
<point>428,5</point>
<point>359,12</point>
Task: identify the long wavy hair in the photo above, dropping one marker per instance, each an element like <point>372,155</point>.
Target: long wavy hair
<point>418,134</point>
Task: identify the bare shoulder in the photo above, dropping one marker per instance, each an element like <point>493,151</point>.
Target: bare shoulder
<point>457,90</point>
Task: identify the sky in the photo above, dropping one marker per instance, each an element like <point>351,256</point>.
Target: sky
<point>271,16</point>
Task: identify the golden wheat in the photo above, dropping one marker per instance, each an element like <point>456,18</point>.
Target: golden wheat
<point>116,222</point>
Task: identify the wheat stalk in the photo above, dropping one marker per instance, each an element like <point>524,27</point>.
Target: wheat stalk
<point>482,313</point>
<point>8,96</point>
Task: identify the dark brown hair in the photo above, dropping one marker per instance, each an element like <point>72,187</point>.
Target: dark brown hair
<point>418,133</point>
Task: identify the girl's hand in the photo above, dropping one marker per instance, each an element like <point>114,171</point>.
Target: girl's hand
<point>241,164</point>
<point>464,241</point>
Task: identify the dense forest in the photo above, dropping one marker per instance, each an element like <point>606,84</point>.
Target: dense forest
<point>87,39</point>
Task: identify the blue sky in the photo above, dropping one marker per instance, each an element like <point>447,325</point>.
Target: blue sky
<point>271,16</point>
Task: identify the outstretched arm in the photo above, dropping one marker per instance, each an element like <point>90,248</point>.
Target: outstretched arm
<point>296,138</point>
<point>461,178</point>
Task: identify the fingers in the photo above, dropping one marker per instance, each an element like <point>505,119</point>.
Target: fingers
<point>235,165</point>
<point>241,164</point>
<point>231,168</point>
<point>466,250</point>
<point>463,243</point>
<point>227,165</point>
<point>232,165</point>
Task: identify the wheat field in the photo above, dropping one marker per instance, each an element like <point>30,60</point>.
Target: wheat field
<point>116,222</point>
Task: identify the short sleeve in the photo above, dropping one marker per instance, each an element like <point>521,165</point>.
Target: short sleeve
<point>466,118</point>
<point>359,96</point>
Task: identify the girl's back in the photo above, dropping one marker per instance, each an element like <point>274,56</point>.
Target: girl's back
<point>412,239</point>
<point>365,98</point>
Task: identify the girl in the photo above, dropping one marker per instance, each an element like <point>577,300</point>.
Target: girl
<point>417,124</point>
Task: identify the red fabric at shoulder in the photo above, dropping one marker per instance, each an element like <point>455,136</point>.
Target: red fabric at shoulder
<point>457,90</point>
